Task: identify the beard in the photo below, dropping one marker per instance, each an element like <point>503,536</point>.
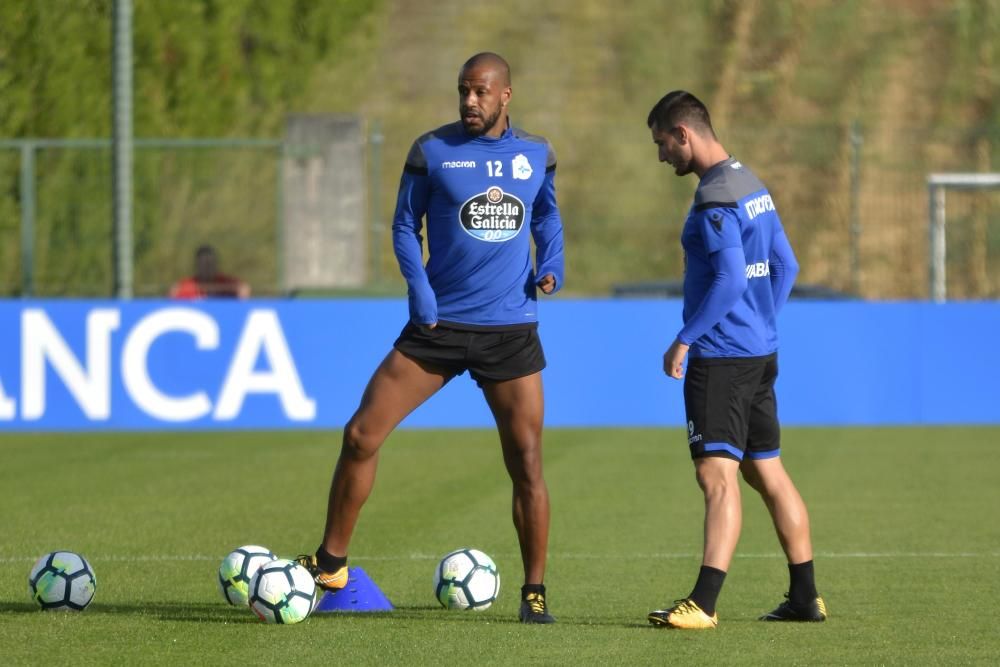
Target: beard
<point>488,123</point>
<point>681,168</point>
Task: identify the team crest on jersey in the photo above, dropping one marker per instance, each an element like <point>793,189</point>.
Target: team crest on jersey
<point>520,167</point>
<point>492,216</point>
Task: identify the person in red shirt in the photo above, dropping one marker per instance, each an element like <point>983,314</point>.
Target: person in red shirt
<point>208,282</point>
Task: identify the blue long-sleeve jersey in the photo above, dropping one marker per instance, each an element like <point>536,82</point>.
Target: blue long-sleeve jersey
<point>478,194</point>
<point>739,266</point>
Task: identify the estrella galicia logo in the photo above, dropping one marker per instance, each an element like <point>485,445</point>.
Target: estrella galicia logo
<point>493,215</point>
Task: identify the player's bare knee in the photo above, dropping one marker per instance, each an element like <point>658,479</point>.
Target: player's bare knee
<point>525,466</point>
<point>714,480</point>
<point>359,443</point>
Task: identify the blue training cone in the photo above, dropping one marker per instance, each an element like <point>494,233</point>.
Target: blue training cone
<point>360,594</point>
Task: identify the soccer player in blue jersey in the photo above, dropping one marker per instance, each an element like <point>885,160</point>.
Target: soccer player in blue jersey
<point>739,270</point>
<point>484,187</point>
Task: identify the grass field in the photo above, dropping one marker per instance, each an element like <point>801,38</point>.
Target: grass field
<point>905,528</point>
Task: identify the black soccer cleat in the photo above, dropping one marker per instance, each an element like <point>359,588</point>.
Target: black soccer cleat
<point>534,609</point>
<point>813,611</point>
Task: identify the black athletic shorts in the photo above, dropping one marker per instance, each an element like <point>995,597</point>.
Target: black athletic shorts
<point>489,356</point>
<point>731,407</point>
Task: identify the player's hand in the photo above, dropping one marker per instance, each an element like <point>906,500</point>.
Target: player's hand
<point>547,283</point>
<point>673,359</point>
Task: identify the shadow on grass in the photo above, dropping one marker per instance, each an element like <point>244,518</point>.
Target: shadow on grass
<point>197,612</point>
<point>206,612</point>
<point>200,612</point>
<point>421,613</point>
<point>436,614</point>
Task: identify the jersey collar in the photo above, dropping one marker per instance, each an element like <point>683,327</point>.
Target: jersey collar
<point>718,166</point>
<point>507,134</point>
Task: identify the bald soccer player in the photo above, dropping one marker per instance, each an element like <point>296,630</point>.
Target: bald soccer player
<point>473,307</point>
<point>739,271</point>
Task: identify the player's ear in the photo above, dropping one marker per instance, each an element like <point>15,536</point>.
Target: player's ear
<point>682,133</point>
<point>505,96</point>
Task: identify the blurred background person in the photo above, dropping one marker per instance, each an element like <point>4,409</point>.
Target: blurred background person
<point>208,282</point>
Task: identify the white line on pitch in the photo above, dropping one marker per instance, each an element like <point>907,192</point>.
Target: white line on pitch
<point>566,556</point>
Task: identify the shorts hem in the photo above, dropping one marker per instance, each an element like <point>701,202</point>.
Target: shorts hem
<point>482,379</point>
<point>769,454</point>
<point>723,449</point>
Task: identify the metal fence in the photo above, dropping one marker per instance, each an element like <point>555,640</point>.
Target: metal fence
<point>854,203</point>
<point>55,226</point>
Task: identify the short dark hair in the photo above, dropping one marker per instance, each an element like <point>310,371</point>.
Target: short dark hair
<point>680,106</point>
<point>203,250</point>
<point>489,59</point>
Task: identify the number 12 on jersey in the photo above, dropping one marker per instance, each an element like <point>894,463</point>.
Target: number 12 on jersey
<point>495,168</point>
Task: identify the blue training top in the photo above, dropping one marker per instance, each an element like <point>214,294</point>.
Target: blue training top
<point>477,193</point>
<point>739,266</point>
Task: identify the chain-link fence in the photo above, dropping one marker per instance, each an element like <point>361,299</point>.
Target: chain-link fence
<point>855,206</point>
<point>56,231</point>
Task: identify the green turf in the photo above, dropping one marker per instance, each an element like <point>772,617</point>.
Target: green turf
<point>904,525</point>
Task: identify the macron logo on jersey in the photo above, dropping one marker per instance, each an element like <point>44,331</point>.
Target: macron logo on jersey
<point>759,269</point>
<point>458,164</point>
<point>761,204</point>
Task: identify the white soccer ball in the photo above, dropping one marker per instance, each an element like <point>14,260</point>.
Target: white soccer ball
<point>282,591</point>
<point>238,568</point>
<point>62,580</point>
<point>466,579</point>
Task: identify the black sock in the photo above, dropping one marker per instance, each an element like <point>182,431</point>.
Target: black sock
<point>802,589</point>
<point>328,562</point>
<point>706,589</point>
<point>532,588</point>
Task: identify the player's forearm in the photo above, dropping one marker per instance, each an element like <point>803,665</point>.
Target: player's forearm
<point>549,250</point>
<point>784,269</point>
<point>547,232</point>
<point>411,205</point>
<point>409,255</point>
<point>725,292</point>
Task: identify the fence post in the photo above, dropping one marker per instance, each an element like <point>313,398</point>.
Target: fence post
<point>939,253</point>
<point>122,147</point>
<point>855,259</point>
<point>279,216</point>
<point>376,139</point>
<point>27,218</point>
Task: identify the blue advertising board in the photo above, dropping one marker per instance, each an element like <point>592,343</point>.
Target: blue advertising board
<point>140,365</point>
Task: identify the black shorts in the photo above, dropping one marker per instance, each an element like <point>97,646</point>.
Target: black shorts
<point>489,356</point>
<point>731,407</point>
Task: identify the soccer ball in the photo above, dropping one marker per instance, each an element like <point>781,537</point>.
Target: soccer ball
<point>62,580</point>
<point>237,570</point>
<point>282,591</point>
<point>466,579</point>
